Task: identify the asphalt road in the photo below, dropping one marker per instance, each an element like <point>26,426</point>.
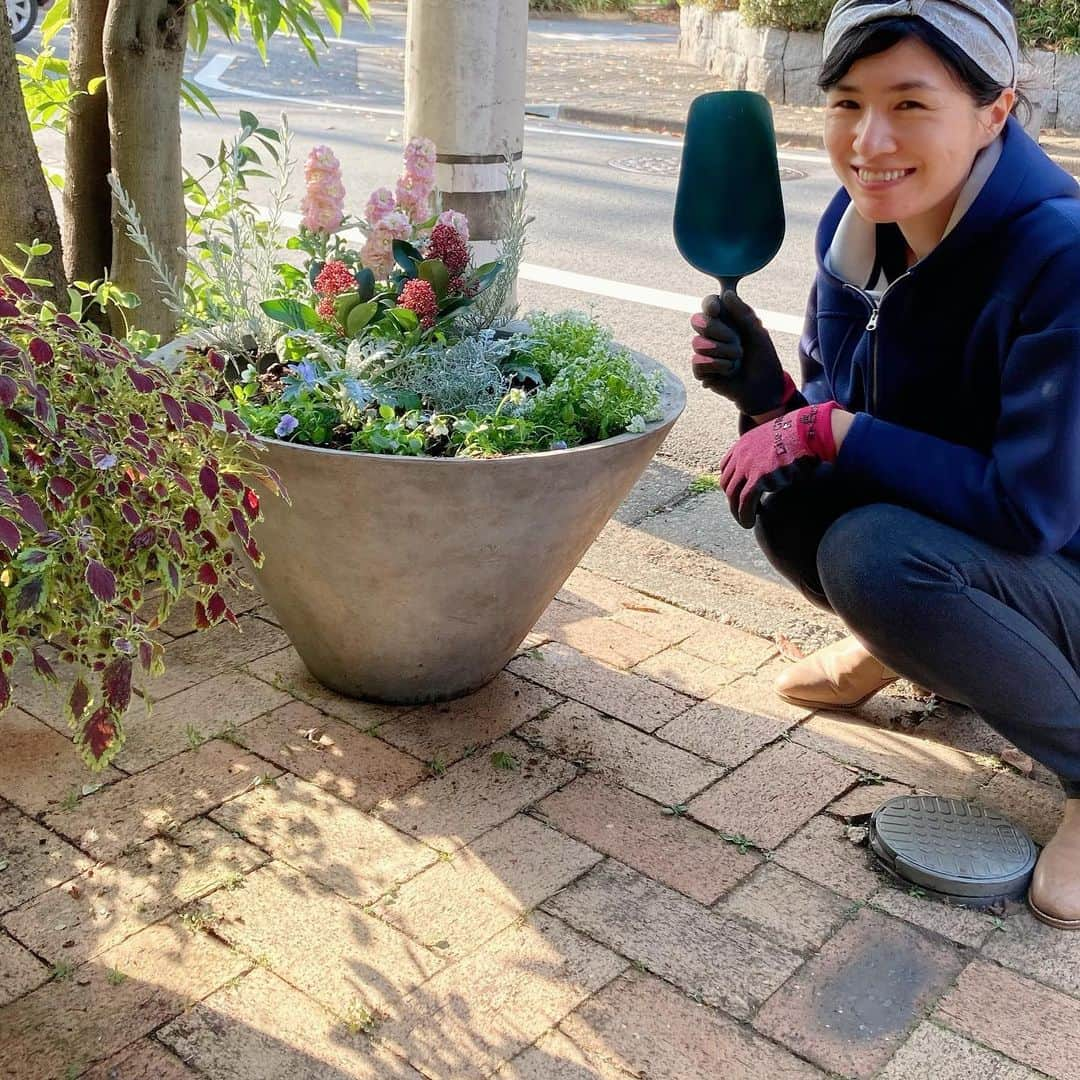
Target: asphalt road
<point>602,201</point>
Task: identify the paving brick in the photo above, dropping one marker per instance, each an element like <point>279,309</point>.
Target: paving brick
<point>671,849</point>
<point>962,925</point>
<point>730,648</point>
<point>475,795</point>
<point>714,957</point>
<point>666,622</point>
<point>602,638</point>
<point>39,766</point>
<point>71,1023</point>
<point>625,696</point>
<point>472,1017</point>
<point>935,1053</point>
<point>796,913</point>
<point>597,594</point>
<point>337,844</point>
<point>331,754</point>
<point>456,906</point>
<point>892,754</point>
<point>260,1028</point>
<point>555,1057</point>
<point>1051,956</point>
<point>821,851</point>
<point>620,754</point>
<point>35,859</point>
<point>144,1060</point>
<point>199,657</point>
<point>199,713</point>
<point>285,670</point>
<point>160,798</point>
<point>865,799</point>
<point>773,794</point>
<point>108,903</point>
<point>1029,1022</point>
<point>735,723</point>
<point>447,731</point>
<point>20,970</point>
<point>646,1027</point>
<point>322,944</point>
<point>688,674</point>
<point>853,1004</point>
<point>1036,807</point>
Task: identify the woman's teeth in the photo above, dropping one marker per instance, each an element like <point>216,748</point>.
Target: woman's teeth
<point>872,176</point>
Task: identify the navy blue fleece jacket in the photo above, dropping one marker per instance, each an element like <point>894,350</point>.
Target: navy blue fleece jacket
<point>965,378</point>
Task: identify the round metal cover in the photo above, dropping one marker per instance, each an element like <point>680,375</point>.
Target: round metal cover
<point>954,848</point>
<point>668,165</point>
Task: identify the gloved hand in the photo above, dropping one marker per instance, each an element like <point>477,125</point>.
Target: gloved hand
<point>734,356</point>
<point>774,455</point>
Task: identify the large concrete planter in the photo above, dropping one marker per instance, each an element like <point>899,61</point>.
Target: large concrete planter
<point>415,579</point>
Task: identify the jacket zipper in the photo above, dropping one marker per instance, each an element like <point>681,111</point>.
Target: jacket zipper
<point>871,328</point>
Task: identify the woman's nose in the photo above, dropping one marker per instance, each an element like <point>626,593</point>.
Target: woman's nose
<point>873,135</point>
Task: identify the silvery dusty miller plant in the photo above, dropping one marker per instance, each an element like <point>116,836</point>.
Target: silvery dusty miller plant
<point>122,489</point>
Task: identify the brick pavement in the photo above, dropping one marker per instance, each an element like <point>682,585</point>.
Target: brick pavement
<point>650,880</point>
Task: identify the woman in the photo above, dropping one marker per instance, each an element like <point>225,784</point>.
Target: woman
<point>925,482</point>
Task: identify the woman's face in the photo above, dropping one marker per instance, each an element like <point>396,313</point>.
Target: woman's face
<point>902,134</point>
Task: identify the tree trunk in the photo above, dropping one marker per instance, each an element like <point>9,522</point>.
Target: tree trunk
<point>144,62</point>
<point>26,208</point>
<point>87,200</point>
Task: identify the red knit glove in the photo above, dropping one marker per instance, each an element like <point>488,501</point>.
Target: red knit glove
<point>774,455</point>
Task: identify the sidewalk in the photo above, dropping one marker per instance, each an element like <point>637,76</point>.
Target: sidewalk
<point>625,857</point>
<point>644,86</point>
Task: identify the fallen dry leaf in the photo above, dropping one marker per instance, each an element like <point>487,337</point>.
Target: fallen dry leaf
<point>788,649</point>
<point>1018,760</point>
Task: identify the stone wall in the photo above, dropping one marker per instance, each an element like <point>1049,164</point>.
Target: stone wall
<point>783,65</point>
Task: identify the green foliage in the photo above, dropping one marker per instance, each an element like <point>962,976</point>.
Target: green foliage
<point>786,14</point>
<point>704,483</point>
<point>1052,24</point>
<point>122,490</point>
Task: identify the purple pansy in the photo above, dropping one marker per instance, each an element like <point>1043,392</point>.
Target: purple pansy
<point>286,426</point>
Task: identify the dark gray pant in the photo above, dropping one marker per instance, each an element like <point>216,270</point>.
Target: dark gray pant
<point>994,630</point>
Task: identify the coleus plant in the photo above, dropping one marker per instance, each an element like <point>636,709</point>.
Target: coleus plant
<point>123,488</point>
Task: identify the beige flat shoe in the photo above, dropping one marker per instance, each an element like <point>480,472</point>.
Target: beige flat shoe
<point>1054,896</point>
<point>840,676</point>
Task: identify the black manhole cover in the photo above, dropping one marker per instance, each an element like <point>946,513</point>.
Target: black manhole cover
<point>953,849</point>
<point>668,165</point>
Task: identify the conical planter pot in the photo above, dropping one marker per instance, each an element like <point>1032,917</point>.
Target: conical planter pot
<point>411,580</point>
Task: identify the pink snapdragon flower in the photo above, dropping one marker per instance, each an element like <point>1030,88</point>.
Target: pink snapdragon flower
<point>377,253</point>
<point>417,183</point>
<point>380,203</point>
<point>323,206</point>
<point>457,221</point>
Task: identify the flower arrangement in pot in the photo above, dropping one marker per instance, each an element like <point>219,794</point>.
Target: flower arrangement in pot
<point>447,466</point>
<point>122,489</point>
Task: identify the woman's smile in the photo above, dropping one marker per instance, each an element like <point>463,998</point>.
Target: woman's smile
<point>880,179</point>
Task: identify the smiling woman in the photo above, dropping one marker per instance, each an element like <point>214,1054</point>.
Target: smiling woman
<point>924,481</point>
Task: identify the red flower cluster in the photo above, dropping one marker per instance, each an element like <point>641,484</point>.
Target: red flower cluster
<point>419,296</point>
<point>325,307</point>
<point>334,278</point>
<point>446,244</point>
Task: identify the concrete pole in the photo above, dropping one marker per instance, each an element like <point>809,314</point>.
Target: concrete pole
<point>465,90</point>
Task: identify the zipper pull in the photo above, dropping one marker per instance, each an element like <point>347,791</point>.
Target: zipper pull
<point>872,324</point>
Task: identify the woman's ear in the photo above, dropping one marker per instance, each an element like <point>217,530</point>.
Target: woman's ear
<point>997,113</point>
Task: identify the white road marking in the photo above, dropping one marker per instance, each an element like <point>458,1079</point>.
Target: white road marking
<point>209,77</point>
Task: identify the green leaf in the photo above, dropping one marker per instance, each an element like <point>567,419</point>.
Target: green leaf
<point>293,313</point>
<point>365,283</point>
<point>195,98</point>
<point>54,19</point>
<point>249,123</point>
<point>359,317</point>
<point>387,412</point>
<point>95,84</point>
<point>405,317</point>
<point>406,256</point>
<point>435,273</point>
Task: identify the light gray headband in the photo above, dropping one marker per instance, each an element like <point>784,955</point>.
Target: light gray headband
<point>982,29</point>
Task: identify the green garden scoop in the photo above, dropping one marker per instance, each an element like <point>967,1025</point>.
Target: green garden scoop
<point>729,213</point>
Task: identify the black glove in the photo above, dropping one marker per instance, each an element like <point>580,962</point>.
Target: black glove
<point>734,356</point>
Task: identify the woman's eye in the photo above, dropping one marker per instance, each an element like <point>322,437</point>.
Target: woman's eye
<point>844,103</point>
<point>911,105</point>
